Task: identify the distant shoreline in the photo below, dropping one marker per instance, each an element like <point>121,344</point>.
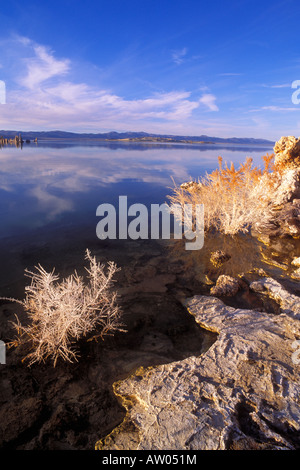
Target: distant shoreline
<point>161,140</point>
<point>151,141</point>
<point>131,137</point>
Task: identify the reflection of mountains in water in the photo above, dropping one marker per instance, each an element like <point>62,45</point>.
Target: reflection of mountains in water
<point>117,145</point>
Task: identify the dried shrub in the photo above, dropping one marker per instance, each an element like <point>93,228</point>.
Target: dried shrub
<point>234,199</point>
<point>61,313</point>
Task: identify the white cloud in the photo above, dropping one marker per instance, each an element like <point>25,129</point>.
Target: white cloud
<point>79,101</point>
<point>48,98</point>
<point>209,101</point>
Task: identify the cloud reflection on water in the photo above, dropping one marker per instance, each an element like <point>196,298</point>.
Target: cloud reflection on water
<point>52,181</point>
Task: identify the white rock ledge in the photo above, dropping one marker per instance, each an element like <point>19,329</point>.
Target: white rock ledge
<point>243,393</point>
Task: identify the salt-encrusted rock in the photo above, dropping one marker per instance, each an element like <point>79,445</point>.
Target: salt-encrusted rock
<point>285,220</point>
<point>225,286</point>
<point>288,187</point>
<point>243,393</point>
<point>289,303</point>
<point>287,152</point>
<point>296,273</point>
<point>296,262</point>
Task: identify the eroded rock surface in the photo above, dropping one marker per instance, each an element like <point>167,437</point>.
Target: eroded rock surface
<point>225,286</point>
<point>287,152</point>
<point>243,393</point>
<point>286,191</point>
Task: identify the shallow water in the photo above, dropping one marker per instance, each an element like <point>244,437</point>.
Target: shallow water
<point>49,193</point>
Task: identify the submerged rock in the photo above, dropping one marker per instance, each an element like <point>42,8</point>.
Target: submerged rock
<point>243,393</point>
<point>219,257</point>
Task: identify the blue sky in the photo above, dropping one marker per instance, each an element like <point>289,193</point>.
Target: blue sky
<point>221,68</point>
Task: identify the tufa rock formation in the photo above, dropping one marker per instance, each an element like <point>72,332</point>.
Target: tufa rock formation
<point>17,141</point>
<point>226,286</point>
<point>242,393</point>
<point>287,152</point>
<point>286,191</point>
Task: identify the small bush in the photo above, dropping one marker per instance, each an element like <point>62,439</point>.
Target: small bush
<point>234,199</point>
<point>63,312</point>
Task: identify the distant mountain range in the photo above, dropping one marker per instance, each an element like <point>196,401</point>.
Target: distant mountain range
<point>134,137</point>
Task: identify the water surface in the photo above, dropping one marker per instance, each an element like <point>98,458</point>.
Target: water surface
<point>58,183</point>
<point>50,193</point>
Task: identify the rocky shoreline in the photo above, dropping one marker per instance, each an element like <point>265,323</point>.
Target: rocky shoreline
<point>243,393</point>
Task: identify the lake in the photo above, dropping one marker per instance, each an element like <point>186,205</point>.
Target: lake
<point>50,191</point>
<point>59,183</point>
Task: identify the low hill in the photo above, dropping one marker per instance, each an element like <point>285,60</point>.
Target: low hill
<point>133,136</point>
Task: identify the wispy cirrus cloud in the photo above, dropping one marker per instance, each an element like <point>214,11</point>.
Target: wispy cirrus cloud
<point>178,56</point>
<point>42,67</point>
<point>280,108</point>
<point>230,74</point>
<point>280,85</point>
<point>275,109</point>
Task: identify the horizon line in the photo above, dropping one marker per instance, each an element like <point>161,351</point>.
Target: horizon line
<point>135,132</point>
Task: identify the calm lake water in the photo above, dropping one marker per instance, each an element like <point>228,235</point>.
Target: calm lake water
<point>55,184</point>
<point>50,191</point>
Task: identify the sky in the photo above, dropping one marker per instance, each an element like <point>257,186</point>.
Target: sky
<point>219,68</point>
